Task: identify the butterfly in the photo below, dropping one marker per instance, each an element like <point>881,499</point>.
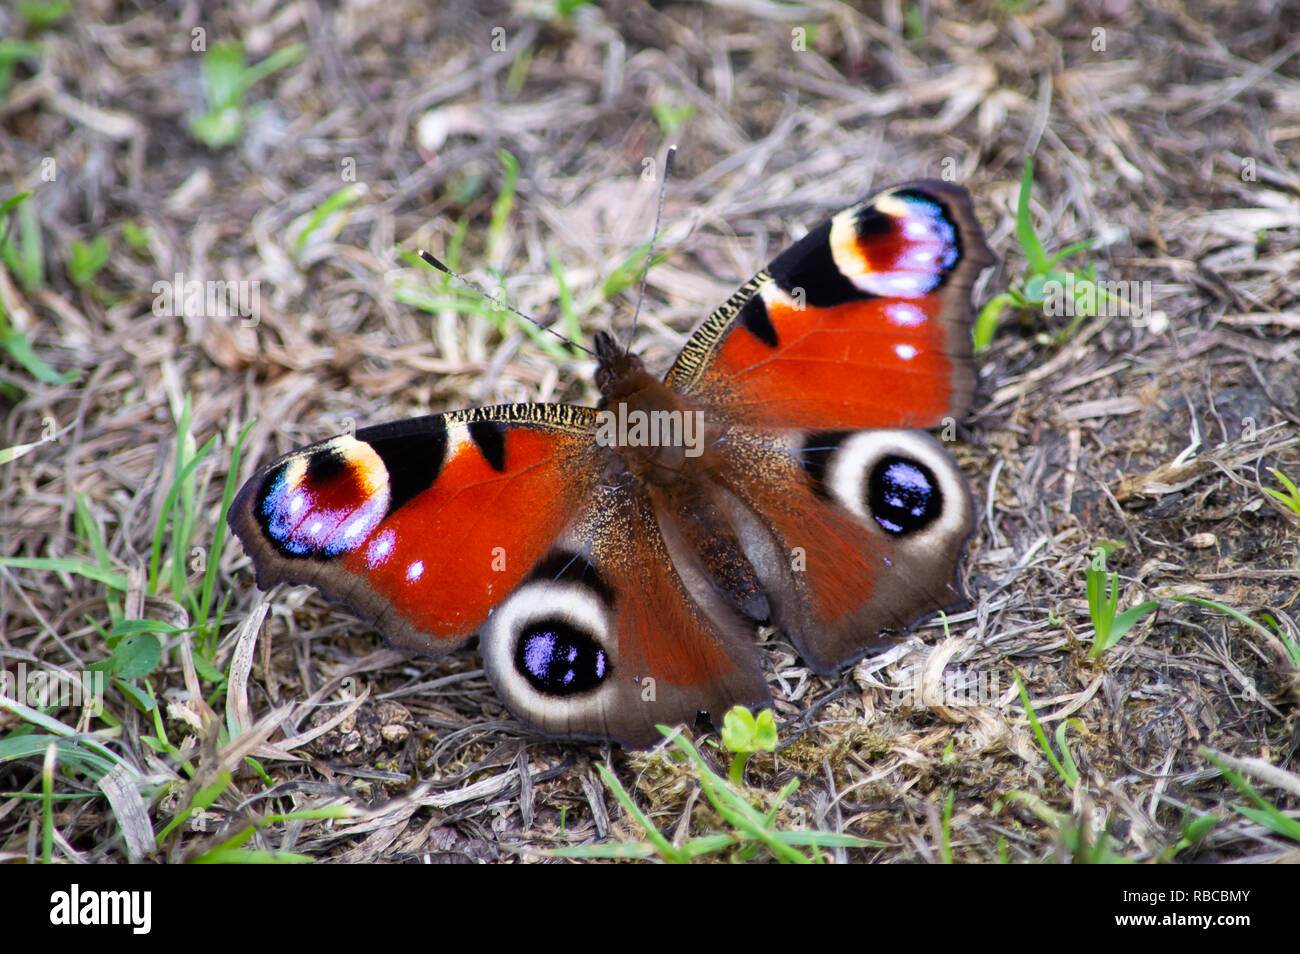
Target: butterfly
<point>614,561</point>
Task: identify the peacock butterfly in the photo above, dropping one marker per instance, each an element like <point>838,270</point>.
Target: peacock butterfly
<point>614,560</point>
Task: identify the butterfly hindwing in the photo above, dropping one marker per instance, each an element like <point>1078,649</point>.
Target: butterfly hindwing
<point>855,535</point>
<point>862,323</point>
<point>617,630</point>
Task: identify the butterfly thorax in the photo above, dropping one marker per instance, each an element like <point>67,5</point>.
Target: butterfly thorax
<point>656,433</point>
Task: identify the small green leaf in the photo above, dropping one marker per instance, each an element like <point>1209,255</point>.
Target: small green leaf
<point>1198,828</point>
<point>207,671</point>
<point>1125,620</point>
<point>136,236</point>
<point>43,14</point>
<point>221,127</point>
<point>670,117</point>
<point>85,260</point>
<point>989,315</point>
<point>137,655</point>
<point>1071,250</point>
<point>138,697</point>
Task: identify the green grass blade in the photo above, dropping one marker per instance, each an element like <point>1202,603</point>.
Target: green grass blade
<point>738,812</point>
<point>16,344</point>
<point>1071,250</point>
<point>1264,813</point>
<point>47,802</point>
<point>661,844</point>
<point>339,200</point>
<point>219,531</point>
<point>1126,620</point>
<point>251,856</point>
<point>1270,817</point>
<point>501,207</point>
<point>1039,734</point>
<point>57,728</point>
<point>824,839</point>
<point>169,504</point>
<point>90,571</point>
<point>1028,238</point>
<point>1235,614</point>
<point>279,60</point>
<point>625,850</point>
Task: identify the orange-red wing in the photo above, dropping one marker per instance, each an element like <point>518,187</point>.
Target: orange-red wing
<point>856,535</point>
<point>863,323</point>
<point>422,525</point>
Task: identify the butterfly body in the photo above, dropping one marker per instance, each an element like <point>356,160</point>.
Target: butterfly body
<point>614,560</point>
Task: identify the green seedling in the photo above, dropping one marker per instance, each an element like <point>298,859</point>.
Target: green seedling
<point>85,259</point>
<point>1194,829</point>
<point>565,9</point>
<point>1108,625</point>
<point>627,272</point>
<point>136,236</point>
<point>743,735</point>
<point>1031,293</point>
<point>22,255</point>
<point>1074,833</point>
<point>502,206</point>
<point>1064,764</point>
<point>945,849</point>
<point>751,830</point>
<point>914,23</point>
<point>1289,496</point>
<point>330,211</point>
<point>1263,813</point>
<point>671,116</point>
<point>226,80</point>
<point>23,251</point>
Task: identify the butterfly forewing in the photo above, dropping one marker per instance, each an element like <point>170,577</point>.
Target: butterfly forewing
<point>420,524</point>
<point>864,322</point>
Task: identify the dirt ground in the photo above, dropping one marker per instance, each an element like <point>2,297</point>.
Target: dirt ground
<point>1169,132</point>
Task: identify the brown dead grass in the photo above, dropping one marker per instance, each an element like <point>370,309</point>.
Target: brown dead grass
<point>1155,437</point>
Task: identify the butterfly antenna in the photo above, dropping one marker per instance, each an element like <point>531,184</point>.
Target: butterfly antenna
<point>650,252</point>
<point>440,266</point>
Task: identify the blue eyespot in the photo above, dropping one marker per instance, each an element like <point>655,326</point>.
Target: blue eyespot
<point>558,659</point>
<point>903,495</point>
